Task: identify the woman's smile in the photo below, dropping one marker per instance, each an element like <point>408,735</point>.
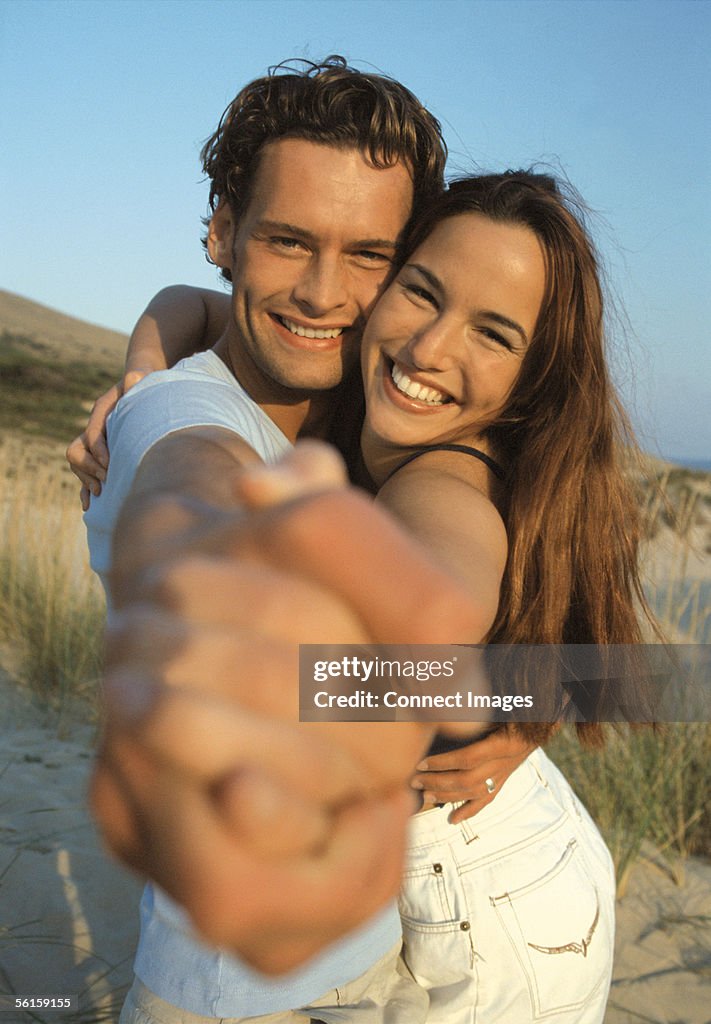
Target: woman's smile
<point>406,385</point>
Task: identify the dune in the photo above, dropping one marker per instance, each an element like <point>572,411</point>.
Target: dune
<point>60,335</point>
<point>69,913</point>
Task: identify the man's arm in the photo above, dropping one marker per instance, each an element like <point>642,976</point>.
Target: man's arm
<point>464,775</point>
<point>174,737</point>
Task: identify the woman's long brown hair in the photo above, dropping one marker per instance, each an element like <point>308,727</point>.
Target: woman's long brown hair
<point>573,521</point>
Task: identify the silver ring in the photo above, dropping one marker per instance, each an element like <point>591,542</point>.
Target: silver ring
<point>490,785</point>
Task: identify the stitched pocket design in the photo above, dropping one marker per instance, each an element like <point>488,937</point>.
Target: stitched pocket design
<point>561,931</point>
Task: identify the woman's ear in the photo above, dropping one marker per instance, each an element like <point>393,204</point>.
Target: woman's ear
<point>220,236</point>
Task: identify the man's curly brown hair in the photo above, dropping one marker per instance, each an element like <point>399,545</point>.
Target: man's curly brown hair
<point>331,103</point>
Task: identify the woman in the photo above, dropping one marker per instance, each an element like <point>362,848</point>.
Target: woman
<point>492,431</point>
<point>499,314</point>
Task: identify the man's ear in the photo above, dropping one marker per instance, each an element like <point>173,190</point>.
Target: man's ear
<point>220,236</point>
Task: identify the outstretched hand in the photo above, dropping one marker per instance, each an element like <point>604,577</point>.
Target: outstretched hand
<point>277,836</point>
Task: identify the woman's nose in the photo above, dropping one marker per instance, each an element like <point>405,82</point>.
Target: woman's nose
<point>433,346</point>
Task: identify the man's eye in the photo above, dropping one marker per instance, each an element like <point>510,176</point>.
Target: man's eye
<point>373,257</point>
<point>284,242</point>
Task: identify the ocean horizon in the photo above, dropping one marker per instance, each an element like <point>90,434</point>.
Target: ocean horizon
<point>679,460</point>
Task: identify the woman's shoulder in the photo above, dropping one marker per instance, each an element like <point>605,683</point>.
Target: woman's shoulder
<point>446,499</point>
<point>437,476</point>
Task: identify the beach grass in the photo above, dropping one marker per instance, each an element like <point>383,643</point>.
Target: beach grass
<point>651,786</point>
<point>646,786</point>
<point>51,605</point>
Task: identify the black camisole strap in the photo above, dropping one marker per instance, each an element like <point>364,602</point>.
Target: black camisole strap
<point>463,448</point>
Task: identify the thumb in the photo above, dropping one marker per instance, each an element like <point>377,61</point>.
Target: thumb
<point>310,468</point>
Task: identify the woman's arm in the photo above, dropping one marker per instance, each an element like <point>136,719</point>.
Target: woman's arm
<point>439,498</point>
<point>177,322</point>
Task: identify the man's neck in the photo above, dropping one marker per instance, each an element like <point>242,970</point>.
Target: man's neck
<point>297,414</point>
<point>311,416</point>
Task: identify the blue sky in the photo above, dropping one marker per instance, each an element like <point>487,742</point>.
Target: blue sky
<point>104,106</point>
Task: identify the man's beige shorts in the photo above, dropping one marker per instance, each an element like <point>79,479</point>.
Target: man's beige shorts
<point>372,998</point>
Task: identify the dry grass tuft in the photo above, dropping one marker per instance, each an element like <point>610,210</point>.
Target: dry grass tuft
<point>51,605</point>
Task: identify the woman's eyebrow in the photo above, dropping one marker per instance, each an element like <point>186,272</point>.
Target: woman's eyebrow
<point>427,274</point>
<point>505,321</point>
<point>489,314</point>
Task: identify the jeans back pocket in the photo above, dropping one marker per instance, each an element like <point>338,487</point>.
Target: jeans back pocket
<point>561,929</point>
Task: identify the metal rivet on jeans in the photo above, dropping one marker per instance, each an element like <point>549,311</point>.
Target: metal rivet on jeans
<point>464,925</point>
<point>437,868</point>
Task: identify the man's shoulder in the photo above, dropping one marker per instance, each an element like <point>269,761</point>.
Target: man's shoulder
<point>202,366</point>
<point>199,391</point>
<point>194,386</point>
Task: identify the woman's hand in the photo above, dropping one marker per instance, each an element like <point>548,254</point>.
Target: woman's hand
<point>88,454</point>
<point>474,773</point>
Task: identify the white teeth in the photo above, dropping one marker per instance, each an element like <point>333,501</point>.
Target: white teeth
<point>310,332</point>
<point>413,390</point>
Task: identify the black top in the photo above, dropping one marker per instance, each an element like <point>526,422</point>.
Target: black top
<point>463,448</point>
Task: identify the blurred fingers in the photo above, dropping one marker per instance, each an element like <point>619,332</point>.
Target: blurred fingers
<point>310,468</point>
<point>262,599</point>
<point>207,738</point>
<point>243,667</point>
<point>267,819</point>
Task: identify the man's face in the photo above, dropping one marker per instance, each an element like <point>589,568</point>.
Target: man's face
<point>308,259</point>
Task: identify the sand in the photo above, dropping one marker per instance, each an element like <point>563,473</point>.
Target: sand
<point>68,918</point>
<point>68,914</point>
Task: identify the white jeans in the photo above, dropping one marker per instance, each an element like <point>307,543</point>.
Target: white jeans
<point>509,917</point>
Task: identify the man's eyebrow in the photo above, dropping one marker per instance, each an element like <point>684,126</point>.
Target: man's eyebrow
<point>488,314</point>
<point>287,229</point>
<point>375,243</point>
<point>293,229</point>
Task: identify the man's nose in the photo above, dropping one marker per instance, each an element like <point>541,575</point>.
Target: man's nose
<point>322,288</point>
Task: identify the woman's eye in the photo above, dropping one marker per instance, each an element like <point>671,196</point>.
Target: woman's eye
<point>494,336</point>
<point>420,293</point>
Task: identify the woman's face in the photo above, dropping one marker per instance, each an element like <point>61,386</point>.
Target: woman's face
<point>444,345</point>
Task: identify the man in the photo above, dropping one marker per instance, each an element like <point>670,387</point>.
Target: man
<point>313,176</point>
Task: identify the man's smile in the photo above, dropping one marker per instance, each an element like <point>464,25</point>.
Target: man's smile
<point>302,331</point>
